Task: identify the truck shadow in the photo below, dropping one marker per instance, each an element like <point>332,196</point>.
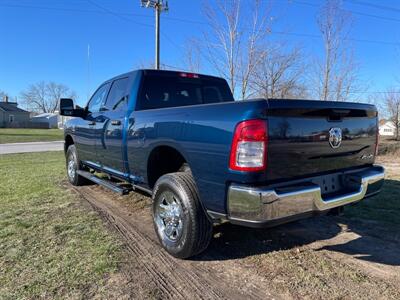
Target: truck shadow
<point>368,231</point>
<point>235,242</point>
<point>373,228</point>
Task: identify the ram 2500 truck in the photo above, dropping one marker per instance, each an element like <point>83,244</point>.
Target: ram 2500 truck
<point>206,158</point>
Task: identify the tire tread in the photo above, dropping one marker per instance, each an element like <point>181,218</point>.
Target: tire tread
<point>201,227</point>
<point>79,180</point>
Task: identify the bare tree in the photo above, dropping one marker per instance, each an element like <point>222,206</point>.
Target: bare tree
<point>192,56</point>
<point>44,96</point>
<point>280,75</point>
<point>392,108</point>
<point>149,64</point>
<point>144,64</point>
<point>234,45</point>
<point>337,73</point>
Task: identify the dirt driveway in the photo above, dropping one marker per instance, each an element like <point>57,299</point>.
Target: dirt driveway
<point>324,257</point>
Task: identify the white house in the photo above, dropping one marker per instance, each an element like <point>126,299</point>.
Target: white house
<point>62,120</point>
<point>48,118</point>
<point>387,128</point>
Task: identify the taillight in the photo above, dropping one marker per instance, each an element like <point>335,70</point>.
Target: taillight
<point>249,146</point>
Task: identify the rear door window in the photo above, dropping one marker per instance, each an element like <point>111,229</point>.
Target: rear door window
<point>118,97</point>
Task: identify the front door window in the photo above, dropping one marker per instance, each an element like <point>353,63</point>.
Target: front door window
<point>98,98</point>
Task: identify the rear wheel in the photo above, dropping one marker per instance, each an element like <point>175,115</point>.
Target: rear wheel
<point>179,220</point>
<point>73,165</point>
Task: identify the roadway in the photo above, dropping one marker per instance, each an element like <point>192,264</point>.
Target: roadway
<point>31,147</point>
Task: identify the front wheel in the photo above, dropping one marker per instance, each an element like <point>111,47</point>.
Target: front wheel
<point>73,165</point>
<point>179,220</point>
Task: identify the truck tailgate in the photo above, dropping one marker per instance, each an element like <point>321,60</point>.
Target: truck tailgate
<point>300,130</point>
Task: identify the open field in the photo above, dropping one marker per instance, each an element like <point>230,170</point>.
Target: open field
<point>23,135</point>
<point>53,244</point>
<point>384,208</point>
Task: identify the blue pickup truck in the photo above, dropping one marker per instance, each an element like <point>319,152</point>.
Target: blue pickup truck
<point>207,159</point>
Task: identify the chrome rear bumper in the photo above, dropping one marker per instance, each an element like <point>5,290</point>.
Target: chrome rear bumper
<point>262,205</point>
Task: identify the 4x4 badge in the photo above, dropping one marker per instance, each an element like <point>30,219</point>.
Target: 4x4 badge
<point>335,137</point>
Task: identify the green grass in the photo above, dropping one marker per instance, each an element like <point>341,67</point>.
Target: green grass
<point>22,135</point>
<point>51,244</point>
<point>383,208</point>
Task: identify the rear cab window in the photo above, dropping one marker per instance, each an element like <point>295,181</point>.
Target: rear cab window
<point>174,89</point>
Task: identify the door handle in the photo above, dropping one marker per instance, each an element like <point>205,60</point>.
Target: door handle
<point>115,122</point>
<point>90,123</point>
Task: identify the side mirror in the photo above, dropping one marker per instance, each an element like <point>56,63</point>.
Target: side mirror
<point>67,108</point>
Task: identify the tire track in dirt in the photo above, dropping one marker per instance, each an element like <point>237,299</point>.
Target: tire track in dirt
<point>173,278</point>
<point>224,271</point>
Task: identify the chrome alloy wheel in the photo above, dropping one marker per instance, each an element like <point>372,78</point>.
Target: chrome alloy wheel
<point>71,168</point>
<point>168,216</point>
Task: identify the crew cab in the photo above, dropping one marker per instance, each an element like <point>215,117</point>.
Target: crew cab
<point>206,158</point>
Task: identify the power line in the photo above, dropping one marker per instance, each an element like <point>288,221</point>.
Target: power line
<point>186,20</point>
<point>50,8</point>
<point>173,18</point>
<point>316,36</point>
<point>121,16</point>
<point>378,6</point>
<point>116,14</point>
<point>349,10</point>
<point>98,12</point>
<point>125,15</point>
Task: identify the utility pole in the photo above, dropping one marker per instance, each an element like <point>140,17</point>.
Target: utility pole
<point>159,6</point>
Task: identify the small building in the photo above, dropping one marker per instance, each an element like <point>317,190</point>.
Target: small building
<point>11,115</point>
<point>62,120</point>
<point>387,128</point>
<point>51,119</point>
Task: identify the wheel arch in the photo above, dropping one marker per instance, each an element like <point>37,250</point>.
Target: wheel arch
<point>164,159</point>
<point>68,141</point>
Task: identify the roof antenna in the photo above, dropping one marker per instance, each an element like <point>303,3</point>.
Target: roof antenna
<point>88,72</point>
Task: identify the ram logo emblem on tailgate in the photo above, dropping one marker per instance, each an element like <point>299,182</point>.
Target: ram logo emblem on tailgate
<point>335,137</point>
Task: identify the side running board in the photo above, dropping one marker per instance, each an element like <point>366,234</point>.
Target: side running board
<point>104,182</point>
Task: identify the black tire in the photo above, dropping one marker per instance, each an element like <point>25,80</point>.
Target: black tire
<point>72,158</point>
<point>196,229</point>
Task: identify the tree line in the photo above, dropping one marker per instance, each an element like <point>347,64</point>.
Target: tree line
<point>42,97</point>
<point>238,45</point>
